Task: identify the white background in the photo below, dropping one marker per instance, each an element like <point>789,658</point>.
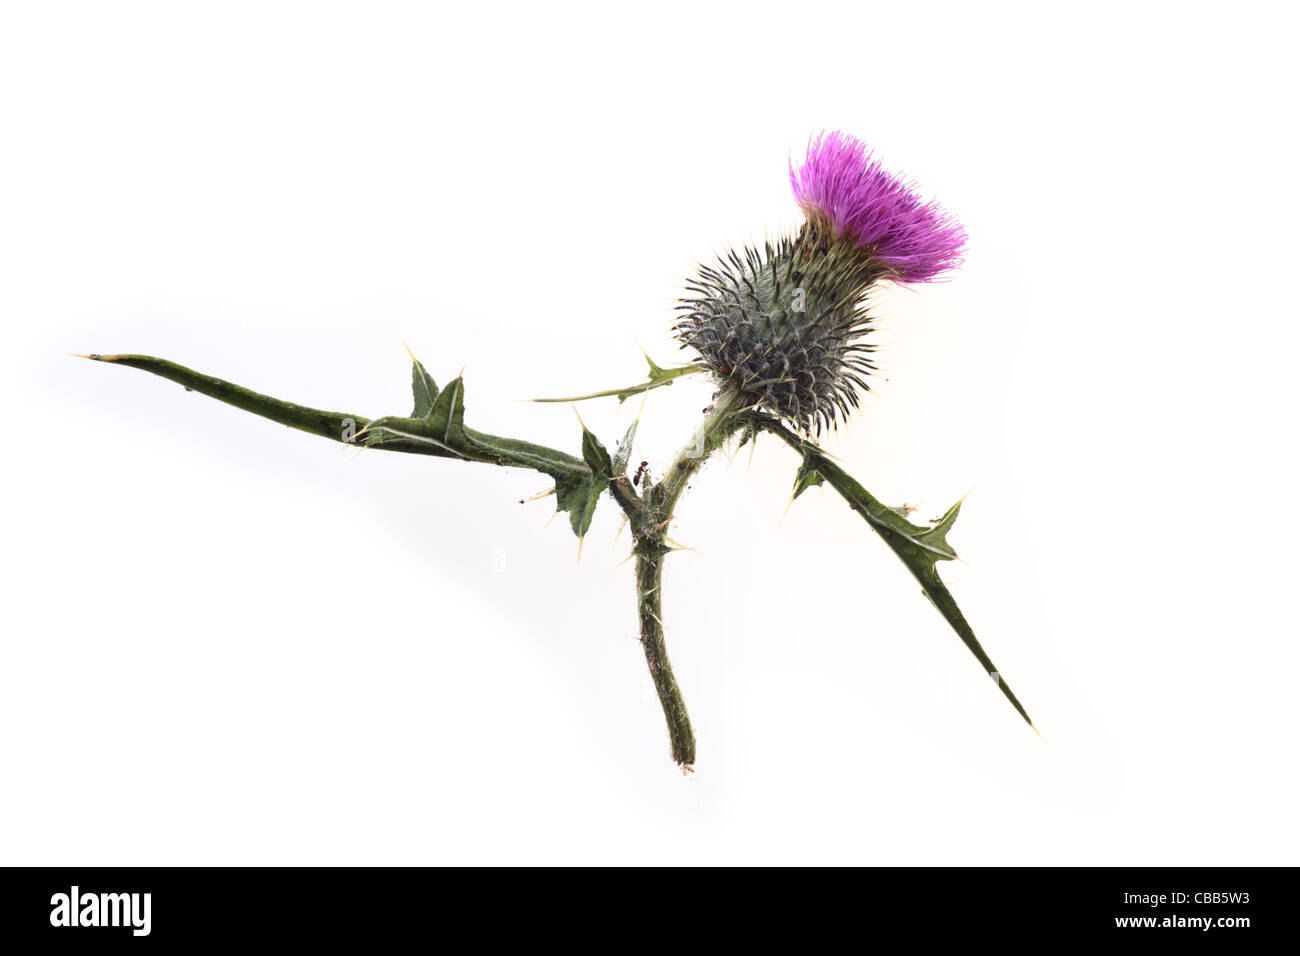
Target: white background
<point>228,642</point>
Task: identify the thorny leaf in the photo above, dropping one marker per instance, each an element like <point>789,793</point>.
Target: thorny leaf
<point>423,388</point>
<point>436,427</point>
<point>919,547</point>
<point>658,377</point>
<point>805,478</point>
<point>623,453</point>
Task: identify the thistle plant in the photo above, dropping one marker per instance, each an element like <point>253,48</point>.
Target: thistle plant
<point>783,332</point>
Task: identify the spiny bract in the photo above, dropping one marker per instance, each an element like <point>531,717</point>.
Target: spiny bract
<point>785,324</point>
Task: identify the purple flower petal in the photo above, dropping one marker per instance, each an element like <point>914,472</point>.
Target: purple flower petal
<point>841,186</point>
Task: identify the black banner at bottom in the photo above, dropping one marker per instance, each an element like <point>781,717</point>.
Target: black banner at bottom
<point>135,907</point>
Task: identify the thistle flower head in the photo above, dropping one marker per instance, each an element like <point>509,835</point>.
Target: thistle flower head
<point>843,188</point>
<point>786,324</point>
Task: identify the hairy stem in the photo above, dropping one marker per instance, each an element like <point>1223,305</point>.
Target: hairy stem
<point>649,596</point>
<point>719,423</point>
<point>650,528</point>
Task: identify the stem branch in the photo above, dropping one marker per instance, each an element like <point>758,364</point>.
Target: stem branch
<point>650,528</point>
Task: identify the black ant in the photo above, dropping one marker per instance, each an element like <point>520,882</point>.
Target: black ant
<point>644,469</point>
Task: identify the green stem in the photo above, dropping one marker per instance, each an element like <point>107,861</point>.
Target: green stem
<point>649,595</point>
<point>649,514</point>
<point>650,527</point>
<point>343,426</point>
<point>716,428</point>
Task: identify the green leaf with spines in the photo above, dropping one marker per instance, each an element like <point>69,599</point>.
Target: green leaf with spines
<point>658,377</point>
<point>595,455</point>
<point>623,453</point>
<point>806,477</point>
<point>423,388</point>
<point>442,428</point>
<point>579,499</point>
<point>439,432</point>
<point>583,497</point>
<point>920,548</point>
